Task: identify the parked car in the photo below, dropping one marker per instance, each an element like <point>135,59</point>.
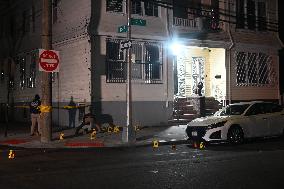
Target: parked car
<point>239,121</point>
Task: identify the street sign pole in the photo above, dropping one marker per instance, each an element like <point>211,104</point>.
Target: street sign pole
<point>46,119</point>
<point>128,134</point>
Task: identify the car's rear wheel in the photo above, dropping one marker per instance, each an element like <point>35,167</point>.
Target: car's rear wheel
<point>235,135</point>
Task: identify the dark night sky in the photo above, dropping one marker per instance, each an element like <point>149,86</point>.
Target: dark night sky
<point>281,19</point>
<point>281,34</point>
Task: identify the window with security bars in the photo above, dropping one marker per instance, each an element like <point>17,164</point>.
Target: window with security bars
<point>113,52</point>
<point>55,10</point>
<point>251,14</point>
<point>261,20</point>
<point>180,9</point>
<point>114,5</point>
<point>254,69</point>
<point>151,8</point>
<point>115,62</point>
<point>11,75</point>
<point>32,75</point>
<point>241,67</point>
<point>22,62</point>
<point>263,69</point>
<point>152,63</point>
<point>240,14</point>
<point>136,7</point>
<point>146,62</point>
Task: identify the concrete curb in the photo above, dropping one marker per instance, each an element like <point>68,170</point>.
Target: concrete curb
<point>102,140</point>
<point>92,145</point>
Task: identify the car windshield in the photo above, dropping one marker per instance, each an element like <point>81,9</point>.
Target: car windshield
<point>233,110</point>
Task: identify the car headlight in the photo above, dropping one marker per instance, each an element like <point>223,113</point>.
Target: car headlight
<point>215,125</point>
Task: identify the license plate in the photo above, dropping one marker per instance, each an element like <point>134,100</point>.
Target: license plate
<point>194,133</point>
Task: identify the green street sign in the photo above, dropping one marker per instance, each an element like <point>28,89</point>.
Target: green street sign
<point>122,29</point>
<point>138,22</point>
<point>133,21</point>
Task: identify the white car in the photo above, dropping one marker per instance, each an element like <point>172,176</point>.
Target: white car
<point>238,121</point>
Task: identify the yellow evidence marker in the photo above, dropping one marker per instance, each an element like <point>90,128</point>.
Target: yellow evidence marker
<point>201,145</point>
<point>61,137</point>
<point>109,129</point>
<point>116,129</point>
<point>103,129</point>
<point>11,154</point>
<point>93,134</point>
<point>155,144</point>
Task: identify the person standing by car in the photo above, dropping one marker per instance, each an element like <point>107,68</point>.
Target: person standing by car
<point>35,115</point>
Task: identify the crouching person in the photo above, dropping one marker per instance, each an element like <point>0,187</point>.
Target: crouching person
<point>87,124</point>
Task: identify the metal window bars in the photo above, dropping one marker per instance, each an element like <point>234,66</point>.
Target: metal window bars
<point>146,58</point>
<point>254,69</point>
<point>150,72</point>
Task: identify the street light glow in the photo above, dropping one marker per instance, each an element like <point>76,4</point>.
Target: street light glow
<point>176,48</point>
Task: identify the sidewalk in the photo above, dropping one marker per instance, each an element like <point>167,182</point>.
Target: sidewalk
<point>18,136</point>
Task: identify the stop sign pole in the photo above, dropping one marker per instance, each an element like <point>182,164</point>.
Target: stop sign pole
<point>46,85</point>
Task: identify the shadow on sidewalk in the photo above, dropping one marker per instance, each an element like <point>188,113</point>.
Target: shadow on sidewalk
<point>20,128</point>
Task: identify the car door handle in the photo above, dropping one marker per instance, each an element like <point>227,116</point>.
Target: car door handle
<point>264,118</point>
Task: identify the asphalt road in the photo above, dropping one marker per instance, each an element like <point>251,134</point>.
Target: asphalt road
<point>257,164</point>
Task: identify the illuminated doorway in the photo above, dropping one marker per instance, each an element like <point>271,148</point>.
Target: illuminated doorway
<point>200,71</point>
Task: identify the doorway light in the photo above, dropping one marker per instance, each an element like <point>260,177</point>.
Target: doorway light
<point>176,48</point>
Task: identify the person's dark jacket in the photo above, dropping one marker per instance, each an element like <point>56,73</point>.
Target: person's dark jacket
<point>34,107</point>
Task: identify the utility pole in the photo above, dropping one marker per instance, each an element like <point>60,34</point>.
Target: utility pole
<point>46,85</point>
<point>128,134</point>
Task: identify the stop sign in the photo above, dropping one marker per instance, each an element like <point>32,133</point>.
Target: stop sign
<point>48,60</point>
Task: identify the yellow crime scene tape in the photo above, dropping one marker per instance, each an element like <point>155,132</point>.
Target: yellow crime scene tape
<point>72,107</point>
<point>55,107</point>
<point>21,106</point>
<point>45,109</point>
